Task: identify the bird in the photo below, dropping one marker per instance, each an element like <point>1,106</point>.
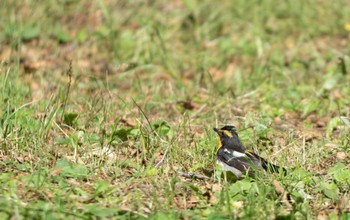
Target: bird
<point>234,157</point>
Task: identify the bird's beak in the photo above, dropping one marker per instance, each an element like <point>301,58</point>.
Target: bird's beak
<point>216,130</point>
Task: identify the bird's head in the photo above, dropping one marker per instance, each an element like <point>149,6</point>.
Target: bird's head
<point>228,137</point>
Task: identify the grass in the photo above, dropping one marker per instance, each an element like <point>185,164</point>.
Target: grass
<point>83,140</point>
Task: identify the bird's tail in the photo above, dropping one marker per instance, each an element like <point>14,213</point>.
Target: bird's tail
<point>272,167</point>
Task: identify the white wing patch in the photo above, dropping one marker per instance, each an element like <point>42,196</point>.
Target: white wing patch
<point>235,154</point>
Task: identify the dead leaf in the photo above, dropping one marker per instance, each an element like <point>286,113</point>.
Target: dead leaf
<point>316,120</point>
<point>231,69</point>
<point>330,145</point>
<point>344,204</point>
<point>322,215</point>
<point>49,194</point>
<point>74,182</point>
<point>278,120</point>
<point>285,197</point>
<point>192,202</point>
<point>209,44</point>
<point>189,105</point>
<point>216,187</point>
<point>337,95</point>
<point>162,77</point>
<point>312,135</point>
<point>128,122</point>
<point>238,204</point>
<point>216,74</point>
<point>56,172</point>
<point>345,120</point>
<point>340,155</point>
<point>5,53</point>
<point>212,199</point>
<point>180,202</point>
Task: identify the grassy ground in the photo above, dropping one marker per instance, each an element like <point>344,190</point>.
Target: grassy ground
<point>85,140</point>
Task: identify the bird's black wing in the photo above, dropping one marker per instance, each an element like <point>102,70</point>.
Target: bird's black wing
<point>239,160</point>
<point>264,164</point>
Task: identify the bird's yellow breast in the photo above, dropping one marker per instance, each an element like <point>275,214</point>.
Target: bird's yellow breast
<point>219,146</point>
<point>228,134</point>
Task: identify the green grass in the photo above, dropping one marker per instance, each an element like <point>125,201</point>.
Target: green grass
<point>152,76</point>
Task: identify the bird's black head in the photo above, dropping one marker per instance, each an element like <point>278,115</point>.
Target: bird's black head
<point>228,138</point>
<point>227,131</point>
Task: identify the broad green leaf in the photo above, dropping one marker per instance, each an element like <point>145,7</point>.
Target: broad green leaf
<point>122,134</point>
<point>333,123</point>
<point>330,190</point>
<point>71,170</point>
<point>101,212</point>
<point>340,173</point>
<point>62,36</point>
<point>69,118</point>
<point>152,171</point>
<point>102,187</point>
<point>30,32</point>
<point>82,36</point>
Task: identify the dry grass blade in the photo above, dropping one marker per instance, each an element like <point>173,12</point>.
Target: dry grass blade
<point>193,175</point>
<point>163,157</point>
<point>346,120</point>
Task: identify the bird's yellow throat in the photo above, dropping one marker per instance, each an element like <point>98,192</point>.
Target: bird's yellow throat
<point>219,146</point>
<point>220,143</point>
